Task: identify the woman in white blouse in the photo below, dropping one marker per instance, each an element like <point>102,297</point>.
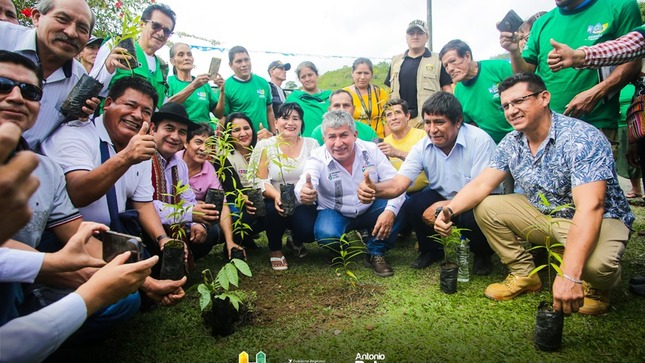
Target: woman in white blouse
<point>280,160</point>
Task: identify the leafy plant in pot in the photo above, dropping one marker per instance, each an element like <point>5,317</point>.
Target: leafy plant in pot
<point>216,293</point>
<point>549,323</point>
<point>254,194</point>
<point>88,87</point>
<point>450,265</point>
<point>173,253</point>
<point>287,190</point>
<point>350,246</point>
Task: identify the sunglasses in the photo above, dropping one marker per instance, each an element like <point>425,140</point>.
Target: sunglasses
<point>158,26</point>
<point>28,91</point>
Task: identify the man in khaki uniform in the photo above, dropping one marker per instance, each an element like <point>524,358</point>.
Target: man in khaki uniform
<point>417,73</point>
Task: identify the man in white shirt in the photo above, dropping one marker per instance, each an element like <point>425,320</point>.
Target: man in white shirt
<point>52,44</point>
<point>331,177</point>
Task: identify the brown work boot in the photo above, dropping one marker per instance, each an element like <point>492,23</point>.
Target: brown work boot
<point>379,265</point>
<point>513,286</point>
<point>596,300</point>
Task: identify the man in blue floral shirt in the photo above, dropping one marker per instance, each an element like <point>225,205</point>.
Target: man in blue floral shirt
<point>566,168</point>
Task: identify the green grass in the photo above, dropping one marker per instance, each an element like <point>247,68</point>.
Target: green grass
<point>308,313</point>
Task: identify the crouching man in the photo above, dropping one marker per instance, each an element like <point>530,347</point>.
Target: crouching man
<point>331,177</point>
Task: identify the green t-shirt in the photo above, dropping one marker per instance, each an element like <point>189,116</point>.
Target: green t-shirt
<point>626,95</point>
<point>200,103</point>
<point>156,78</point>
<point>480,100</point>
<point>365,132</point>
<point>250,97</point>
<point>595,23</point>
<point>314,107</point>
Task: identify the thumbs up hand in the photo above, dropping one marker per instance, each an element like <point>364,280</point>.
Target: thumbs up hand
<point>263,133</point>
<point>140,147</point>
<point>562,56</point>
<point>367,189</point>
<point>308,193</point>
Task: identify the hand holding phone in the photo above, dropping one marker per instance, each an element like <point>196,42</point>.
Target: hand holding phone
<point>115,243</point>
<point>511,22</point>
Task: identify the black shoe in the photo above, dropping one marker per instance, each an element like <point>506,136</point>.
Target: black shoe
<point>482,265</point>
<point>379,265</point>
<point>425,259</point>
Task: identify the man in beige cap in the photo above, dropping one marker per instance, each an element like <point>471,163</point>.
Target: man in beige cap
<point>278,73</point>
<point>417,73</point>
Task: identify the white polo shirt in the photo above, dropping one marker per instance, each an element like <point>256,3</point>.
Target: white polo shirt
<point>337,188</point>
<point>76,146</point>
<point>56,87</point>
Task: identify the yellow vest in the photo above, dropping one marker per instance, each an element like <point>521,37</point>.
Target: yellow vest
<point>428,76</point>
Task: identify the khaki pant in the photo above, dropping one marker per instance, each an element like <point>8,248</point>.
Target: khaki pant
<point>612,136</point>
<point>502,217</point>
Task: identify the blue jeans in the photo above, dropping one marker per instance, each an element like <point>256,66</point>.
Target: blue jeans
<point>301,223</point>
<point>330,225</point>
<point>419,202</point>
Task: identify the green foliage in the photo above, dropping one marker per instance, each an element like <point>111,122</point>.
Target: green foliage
<point>450,244</point>
<point>220,287</point>
<point>551,248</point>
<point>349,248</point>
<point>177,229</point>
<point>108,14</point>
<point>342,77</point>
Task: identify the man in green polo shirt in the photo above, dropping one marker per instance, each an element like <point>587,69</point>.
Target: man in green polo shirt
<point>579,93</point>
<point>247,92</point>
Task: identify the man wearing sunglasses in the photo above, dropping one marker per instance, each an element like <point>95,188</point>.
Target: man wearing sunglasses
<point>62,28</point>
<point>157,25</point>
<point>566,168</point>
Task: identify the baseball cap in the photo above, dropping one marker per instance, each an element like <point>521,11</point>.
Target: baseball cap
<point>278,64</point>
<point>94,40</point>
<point>418,24</point>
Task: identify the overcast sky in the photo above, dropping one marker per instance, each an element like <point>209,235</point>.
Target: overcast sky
<point>332,33</point>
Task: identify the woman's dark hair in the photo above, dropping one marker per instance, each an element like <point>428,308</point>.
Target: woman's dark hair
<point>362,60</point>
<point>287,108</point>
<point>202,130</point>
<point>306,64</point>
<point>239,115</point>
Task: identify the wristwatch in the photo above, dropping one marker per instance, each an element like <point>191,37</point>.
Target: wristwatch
<point>160,237</point>
<point>440,209</point>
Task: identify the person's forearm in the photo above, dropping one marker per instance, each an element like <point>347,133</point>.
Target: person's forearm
<point>629,47</point>
<point>392,188</point>
<point>519,64</point>
<point>219,109</point>
<point>84,188</point>
<point>271,119</point>
<point>226,225</point>
<point>149,219</point>
<point>618,78</point>
<point>182,95</point>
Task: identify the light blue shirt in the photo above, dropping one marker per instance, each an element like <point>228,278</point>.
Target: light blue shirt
<point>574,153</point>
<point>57,86</point>
<point>33,337</point>
<point>447,174</point>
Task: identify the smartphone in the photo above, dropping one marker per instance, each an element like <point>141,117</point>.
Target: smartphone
<point>115,243</point>
<point>214,67</point>
<point>511,22</point>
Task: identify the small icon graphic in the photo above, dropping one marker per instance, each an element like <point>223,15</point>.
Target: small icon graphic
<point>260,357</point>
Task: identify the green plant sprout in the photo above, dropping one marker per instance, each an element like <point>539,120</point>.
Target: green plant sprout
<point>348,249</point>
<point>179,209</point>
<point>450,244</point>
<point>129,30</point>
<point>220,287</point>
<point>546,228</point>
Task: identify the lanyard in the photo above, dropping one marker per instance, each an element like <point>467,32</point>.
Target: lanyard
<point>367,111</point>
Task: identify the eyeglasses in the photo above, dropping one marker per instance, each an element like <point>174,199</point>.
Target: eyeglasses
<point>28,91</point>
<point>158,26</point>
<point>518,101</point>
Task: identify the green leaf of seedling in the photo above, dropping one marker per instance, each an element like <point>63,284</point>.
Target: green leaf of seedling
<point>536,270</point>
<point>243,267</point>
<point>222,278</point>
<point>556,256</point>
<point>231,272</point>
<point>536,247</point>
<point>543,200</point>
<point>205,296</point>
<point>351,274</point>
<point>557,269</point>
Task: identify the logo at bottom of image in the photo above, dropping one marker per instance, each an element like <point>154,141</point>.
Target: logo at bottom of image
<point>260,357</point>
<point>369,357</point>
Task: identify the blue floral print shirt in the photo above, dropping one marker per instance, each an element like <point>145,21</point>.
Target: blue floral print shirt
<point>573,154</point>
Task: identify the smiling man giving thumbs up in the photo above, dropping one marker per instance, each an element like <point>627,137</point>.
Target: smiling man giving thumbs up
<point>330,179</point>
